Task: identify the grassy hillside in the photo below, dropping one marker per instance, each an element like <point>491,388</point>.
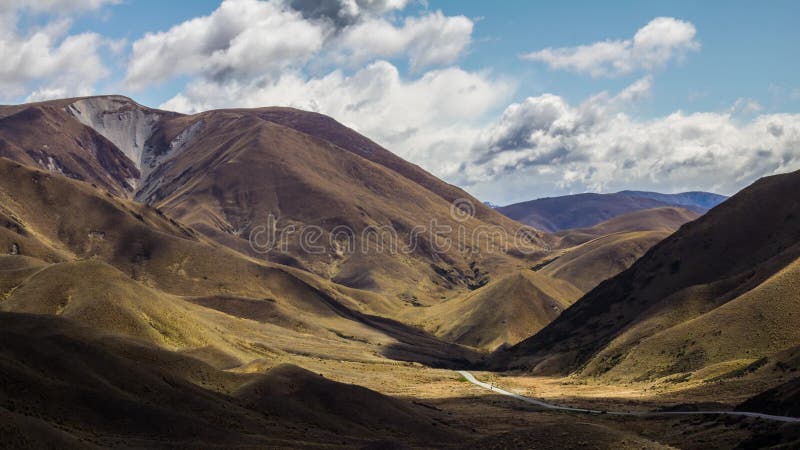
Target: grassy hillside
<point>501,313</point>
<point>710,293</point>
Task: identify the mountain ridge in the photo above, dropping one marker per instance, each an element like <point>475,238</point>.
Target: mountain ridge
<point>555,214</point>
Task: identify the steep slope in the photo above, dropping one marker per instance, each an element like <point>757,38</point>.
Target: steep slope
<point>585,210</point>
<point>243,172</point>
<point>53,135</point>
<point>310,192</point>
<point>723,288</point>
<point>502,313</point>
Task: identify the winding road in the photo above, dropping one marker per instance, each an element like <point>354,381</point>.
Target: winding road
<point>469,377</point>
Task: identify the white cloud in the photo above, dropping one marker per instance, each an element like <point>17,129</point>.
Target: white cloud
<point>745,105</point>
<point>431,120</point>
<point>50,59</point>
<point>47,62</point>
<point>247,39</point>
<point>431,40</point>
<point>596,146</point>
<point>240,38</point>
<point>652,47</point>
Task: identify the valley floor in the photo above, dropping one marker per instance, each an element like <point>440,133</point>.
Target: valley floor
<point>489,420</point>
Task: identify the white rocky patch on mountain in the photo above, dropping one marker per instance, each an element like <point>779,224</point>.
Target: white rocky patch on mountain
<point>120,120</point>
<point>130,127</point>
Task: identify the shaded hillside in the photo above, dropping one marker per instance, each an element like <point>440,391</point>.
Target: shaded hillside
<point>585,210</point>
<point>66,386</point>
<point>301,396</point>
<point>723,288</point>
<point>783,400</point>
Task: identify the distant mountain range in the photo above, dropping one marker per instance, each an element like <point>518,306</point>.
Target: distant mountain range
<point>553,214</point>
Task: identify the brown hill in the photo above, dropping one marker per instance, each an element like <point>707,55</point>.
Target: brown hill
<point>584,257</point>
<point>129,269</point>
<point>301,396</point>
<point>782,400</point>
<point>502,313</point>
<point>721,289</point>
<point>587,265</point>
<point>226,173</point>
<point>666,219</point>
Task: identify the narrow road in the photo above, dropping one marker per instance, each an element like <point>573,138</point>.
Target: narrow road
<point>469,377</point>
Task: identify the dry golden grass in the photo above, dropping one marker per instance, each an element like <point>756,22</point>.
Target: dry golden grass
<point>718,295</point>
<point>500,314</point>
<point>588,264</point>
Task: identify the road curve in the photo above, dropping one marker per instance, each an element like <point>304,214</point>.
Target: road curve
<point>469,377</point>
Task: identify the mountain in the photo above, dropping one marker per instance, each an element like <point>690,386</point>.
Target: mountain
<point>500,314</point>
<point>173,200</point>
<point>136,311</point>
<point>555,214</point>
<point>720,292</point>
<point>129,269</point>
<point>308,191</point>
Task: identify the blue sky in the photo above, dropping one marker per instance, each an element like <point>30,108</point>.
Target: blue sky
<point>709,101</point>
<point>748,49</point>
